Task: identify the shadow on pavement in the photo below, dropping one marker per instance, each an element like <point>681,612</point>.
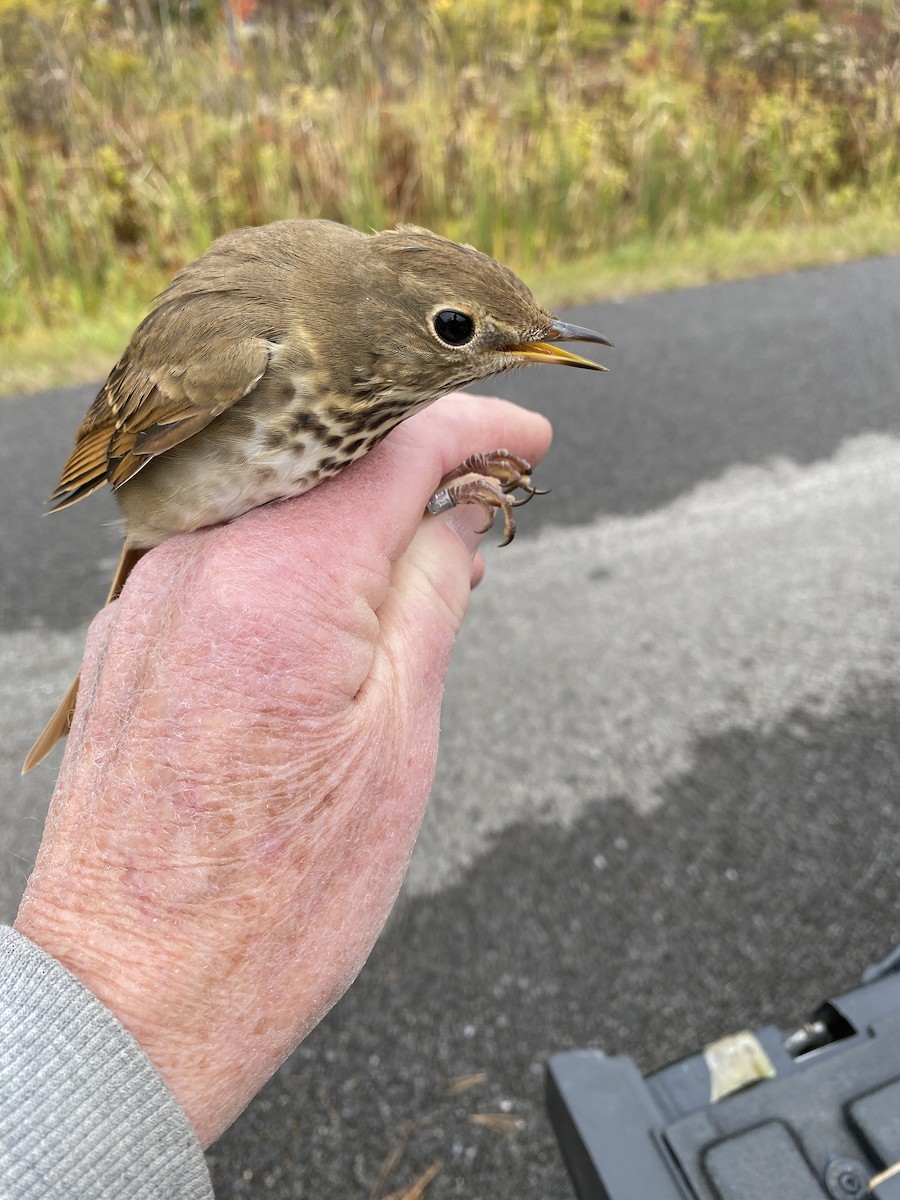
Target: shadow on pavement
<point>766,880</point>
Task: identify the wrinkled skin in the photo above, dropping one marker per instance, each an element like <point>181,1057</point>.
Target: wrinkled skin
<point>252,756</point>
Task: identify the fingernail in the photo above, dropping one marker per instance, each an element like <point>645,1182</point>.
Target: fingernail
<point>466,521</point>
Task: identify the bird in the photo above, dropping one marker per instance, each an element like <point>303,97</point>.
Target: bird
<point>285,352</point>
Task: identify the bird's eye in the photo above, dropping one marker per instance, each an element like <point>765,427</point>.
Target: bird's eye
<point>454,328</point>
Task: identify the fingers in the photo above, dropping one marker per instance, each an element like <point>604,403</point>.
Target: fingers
<point>424,449</point>
<point>436,561</point>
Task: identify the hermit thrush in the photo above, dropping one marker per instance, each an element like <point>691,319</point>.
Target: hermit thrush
<point>281,355</point>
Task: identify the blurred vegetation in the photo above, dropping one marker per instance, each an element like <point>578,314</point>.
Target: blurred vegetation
<point>132,134</point>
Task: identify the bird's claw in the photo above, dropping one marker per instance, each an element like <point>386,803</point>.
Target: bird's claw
<point>489,479</point>
<point>530,491</point>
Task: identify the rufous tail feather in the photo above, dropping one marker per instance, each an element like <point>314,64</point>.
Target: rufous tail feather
<point>61,721</point>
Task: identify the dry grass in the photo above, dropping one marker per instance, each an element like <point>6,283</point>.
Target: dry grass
<point>418,1189</point>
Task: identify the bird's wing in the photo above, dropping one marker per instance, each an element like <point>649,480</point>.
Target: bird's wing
<point>182,369</point>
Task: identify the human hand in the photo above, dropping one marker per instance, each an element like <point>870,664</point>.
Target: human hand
<point>252,757</point>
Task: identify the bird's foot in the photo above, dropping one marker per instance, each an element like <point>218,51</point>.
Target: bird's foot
<point>490,480</point>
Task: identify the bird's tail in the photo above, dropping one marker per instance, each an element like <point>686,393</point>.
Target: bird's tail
<point>61,721</point>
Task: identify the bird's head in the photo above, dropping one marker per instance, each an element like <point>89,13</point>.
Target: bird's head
<point>447,315</point>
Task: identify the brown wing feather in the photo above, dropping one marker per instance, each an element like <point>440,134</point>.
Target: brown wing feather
<point>85,470</point>
<point>188,362</point>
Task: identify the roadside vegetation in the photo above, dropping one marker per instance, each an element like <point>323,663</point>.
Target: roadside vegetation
<point>585,142</point>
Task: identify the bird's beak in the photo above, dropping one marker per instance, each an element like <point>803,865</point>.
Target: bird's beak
<point>548,352</point>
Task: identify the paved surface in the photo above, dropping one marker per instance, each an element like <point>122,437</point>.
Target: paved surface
<point>667,803</point>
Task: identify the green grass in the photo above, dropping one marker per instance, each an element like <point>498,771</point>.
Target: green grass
<point>85,348</point>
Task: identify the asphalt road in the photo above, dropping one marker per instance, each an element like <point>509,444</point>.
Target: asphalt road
<point>667,801</point>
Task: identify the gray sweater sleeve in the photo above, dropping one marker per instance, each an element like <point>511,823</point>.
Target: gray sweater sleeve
<point>83,1112</point>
